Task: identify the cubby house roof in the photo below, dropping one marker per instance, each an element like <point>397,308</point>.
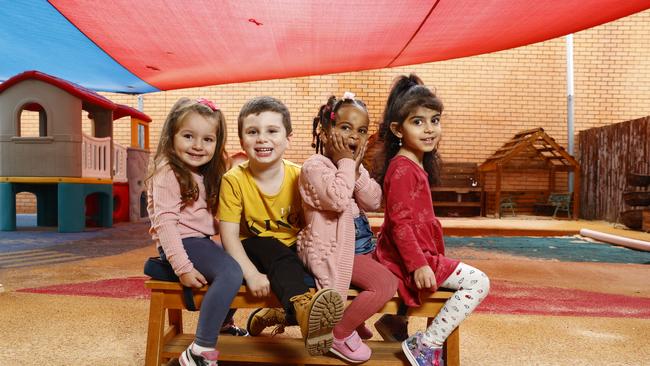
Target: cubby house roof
<point>124,110</point>
<point>534,145</point>
<point>87,96</point>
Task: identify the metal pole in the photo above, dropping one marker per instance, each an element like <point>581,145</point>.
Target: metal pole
<point>140,103</point>
<point>569,99</point>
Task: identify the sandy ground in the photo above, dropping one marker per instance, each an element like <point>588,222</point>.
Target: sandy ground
<point>48,329</point>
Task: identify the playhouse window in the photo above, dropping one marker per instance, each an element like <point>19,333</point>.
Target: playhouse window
<point>32,121</point>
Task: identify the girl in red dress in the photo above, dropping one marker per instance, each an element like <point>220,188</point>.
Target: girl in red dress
<point>411,244</point>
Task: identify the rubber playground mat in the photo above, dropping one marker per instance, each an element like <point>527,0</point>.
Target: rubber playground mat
<point>563,248</point>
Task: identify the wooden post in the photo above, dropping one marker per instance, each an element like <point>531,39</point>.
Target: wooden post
<point>497,191</point>
<point>576,193</point>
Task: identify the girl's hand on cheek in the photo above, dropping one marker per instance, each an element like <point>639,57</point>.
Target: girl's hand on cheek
<point>340,148</point>
<point>358,159</point>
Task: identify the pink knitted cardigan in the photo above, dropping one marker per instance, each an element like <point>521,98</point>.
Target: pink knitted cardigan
<point>331,201</point>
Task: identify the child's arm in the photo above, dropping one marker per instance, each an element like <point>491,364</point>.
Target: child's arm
<point>256,282</point>
<point>166,214</point>
<point>165,218</point>
<point>326,188</point>
<point>367,192</point>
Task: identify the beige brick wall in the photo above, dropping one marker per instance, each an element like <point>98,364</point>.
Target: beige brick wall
<point>487,98</point>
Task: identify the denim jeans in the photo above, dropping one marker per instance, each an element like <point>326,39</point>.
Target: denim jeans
<point>364,241</point>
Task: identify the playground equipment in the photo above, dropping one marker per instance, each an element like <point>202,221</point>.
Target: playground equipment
<point>62,166</point>
<point>618,240</point>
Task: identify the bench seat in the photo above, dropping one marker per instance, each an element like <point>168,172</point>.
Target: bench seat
<point>166,341</point>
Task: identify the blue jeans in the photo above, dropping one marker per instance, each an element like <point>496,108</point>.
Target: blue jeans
<point>364,242</point>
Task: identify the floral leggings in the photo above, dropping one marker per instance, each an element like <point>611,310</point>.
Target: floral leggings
<point>472,286</point>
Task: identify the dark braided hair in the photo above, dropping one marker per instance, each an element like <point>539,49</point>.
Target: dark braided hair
<point>407,93</point>
<point>323,111</point>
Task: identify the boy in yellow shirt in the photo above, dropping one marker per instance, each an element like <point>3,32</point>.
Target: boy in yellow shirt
<point>260,216</point>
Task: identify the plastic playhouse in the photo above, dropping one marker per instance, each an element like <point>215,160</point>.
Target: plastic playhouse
<point>76,178</point>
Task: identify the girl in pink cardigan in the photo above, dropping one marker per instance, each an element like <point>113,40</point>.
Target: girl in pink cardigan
<point>336,245</point>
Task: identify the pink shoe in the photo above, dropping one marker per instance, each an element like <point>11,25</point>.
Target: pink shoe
<point>351,349</point>
<point>364,331</point>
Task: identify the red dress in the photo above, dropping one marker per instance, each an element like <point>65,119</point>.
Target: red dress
<point>411,235</point>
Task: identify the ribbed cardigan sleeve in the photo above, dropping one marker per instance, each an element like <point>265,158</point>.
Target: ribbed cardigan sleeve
<point>325,186</point>
<point>166,193</point>
<point>367,192</point>
<point>326,244</point>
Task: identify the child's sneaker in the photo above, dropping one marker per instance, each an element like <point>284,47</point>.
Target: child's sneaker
<point>392,328</point>
<point>317,314</point>
<point>188,358</point>
<point>351,349</point>
<point>266,317</point>
<point>230,328</point>
<point>420,354</point>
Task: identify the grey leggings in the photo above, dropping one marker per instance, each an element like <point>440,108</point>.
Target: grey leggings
<point>224,276</point>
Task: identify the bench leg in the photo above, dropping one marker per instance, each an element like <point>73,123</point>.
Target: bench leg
<point>176,319</point>
<point>452,348</point>
<point>156,328</point>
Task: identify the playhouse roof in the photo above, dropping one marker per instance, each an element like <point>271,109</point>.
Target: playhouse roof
<point>86,95</point>
<point>78,91</point>
<point>534,145</point>
<point>124,110</point>
<point>151,45</point>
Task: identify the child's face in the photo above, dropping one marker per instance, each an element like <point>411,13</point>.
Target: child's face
<point>196,140</point>
<point>420,132</point>
<point>264,138</point>
<point>352,124</point>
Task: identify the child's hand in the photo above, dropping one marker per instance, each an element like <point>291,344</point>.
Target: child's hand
<point>340,147</point>
<point>424,277</point>
<point>358,159</point>
<point>193,278</point>
<point>258,284</point>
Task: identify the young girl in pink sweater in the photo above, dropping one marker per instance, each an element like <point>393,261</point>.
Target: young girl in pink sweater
<point>336,244</point>
<point>182,196</point>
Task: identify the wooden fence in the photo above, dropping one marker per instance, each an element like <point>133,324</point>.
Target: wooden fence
<point>606,155</point>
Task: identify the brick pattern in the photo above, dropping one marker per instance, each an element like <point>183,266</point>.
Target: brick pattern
<point>487,98</point>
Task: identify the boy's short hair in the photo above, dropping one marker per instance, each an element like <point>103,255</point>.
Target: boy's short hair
<point>264,104</point>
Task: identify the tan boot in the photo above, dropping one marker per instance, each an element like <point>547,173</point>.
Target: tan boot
<point>317,314</point>
<point>266,317</point>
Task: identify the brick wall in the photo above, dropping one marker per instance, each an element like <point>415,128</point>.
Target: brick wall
<point>487,98</point>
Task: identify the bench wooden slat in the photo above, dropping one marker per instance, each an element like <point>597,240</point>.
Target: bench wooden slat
<point>285,351</point>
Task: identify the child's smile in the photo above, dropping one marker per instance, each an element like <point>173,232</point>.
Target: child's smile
<point>264,137</point>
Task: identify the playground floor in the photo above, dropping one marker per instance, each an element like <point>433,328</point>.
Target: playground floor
<point>67,298</point>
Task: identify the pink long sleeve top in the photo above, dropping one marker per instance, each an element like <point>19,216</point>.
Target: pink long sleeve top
<point>331,200</point>
<point>172,221</point>
<point>411,235</point>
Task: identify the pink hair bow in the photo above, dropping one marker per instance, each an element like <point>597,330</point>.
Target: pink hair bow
<point>208,104</point>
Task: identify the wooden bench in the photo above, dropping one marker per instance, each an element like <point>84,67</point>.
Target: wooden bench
<point>557,202</point>
<point>166,341</point>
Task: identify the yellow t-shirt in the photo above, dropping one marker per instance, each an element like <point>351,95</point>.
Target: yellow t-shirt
<point>258,214</point>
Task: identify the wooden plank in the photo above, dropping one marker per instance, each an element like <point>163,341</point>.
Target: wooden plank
<point>283,350</point>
